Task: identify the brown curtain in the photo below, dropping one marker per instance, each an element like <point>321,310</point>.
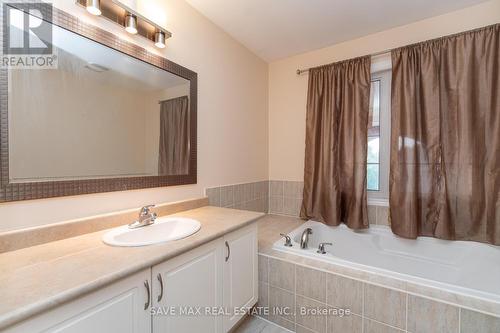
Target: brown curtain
<point>445,142</point>
<point>338,101</point>
<point>174,137</point>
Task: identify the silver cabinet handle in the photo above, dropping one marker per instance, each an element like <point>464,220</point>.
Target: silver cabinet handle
<point>161,287</point>
<point>146,305</point>
<point>228,251</point>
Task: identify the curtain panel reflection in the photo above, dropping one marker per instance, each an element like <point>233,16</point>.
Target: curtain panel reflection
<point>174,137</point>
<point>445,141</point>
<point>338,100</point>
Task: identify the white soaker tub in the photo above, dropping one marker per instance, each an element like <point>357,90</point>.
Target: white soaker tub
<point>467,268</point>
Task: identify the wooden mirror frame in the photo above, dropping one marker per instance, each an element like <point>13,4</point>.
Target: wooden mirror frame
<point>49,189</point>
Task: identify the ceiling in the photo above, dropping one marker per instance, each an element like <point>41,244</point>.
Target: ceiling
<point>275,29</point>
<point>125,71</point>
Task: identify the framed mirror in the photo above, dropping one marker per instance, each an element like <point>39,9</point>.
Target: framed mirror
<point>112,116</point>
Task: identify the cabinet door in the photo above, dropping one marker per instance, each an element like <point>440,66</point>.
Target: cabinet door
<point>240,273</point>
<point>191,282</point>
<point>118,308</point>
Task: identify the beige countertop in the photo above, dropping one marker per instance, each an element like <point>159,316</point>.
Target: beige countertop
<point>38,278</point>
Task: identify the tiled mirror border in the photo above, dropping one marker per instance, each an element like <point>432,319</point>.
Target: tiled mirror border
<point>49,189</point>
<point>375,307</point>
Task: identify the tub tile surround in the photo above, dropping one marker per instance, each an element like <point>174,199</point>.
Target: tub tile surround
<point>344,293</point>
<point>338,293</point>
<point>285,198</point>
<point>425,315</point>
<point>371,326</point>
<point>282,274</point>
<point>471,321</point>
<point>314,323</point>
<point>311,283</point>
<point>279,197</point>
<point>373,308</point>
<point>385,305</point>
<point>377,303</point>
<point>352,323</point>
<point>252,196</point>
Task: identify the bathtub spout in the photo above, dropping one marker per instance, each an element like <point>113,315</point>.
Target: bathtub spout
<point>305,238</point>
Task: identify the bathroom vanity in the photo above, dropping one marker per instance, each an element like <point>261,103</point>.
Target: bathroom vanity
<point>187,285</point>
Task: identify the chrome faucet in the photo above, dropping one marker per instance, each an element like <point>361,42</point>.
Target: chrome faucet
<point>305,238</point>
<point>146,217</point>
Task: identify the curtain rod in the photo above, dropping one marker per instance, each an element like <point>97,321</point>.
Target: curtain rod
<point>301,71</point>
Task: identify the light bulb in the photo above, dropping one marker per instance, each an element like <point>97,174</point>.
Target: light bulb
<point>160,39</point>
<point>131,23</point>
<point>94,7</point>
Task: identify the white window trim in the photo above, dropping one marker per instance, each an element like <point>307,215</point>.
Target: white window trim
<point>381,197</point>
<point>378,202</point>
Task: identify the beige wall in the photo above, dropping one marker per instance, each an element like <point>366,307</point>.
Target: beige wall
<point>232,116</point>
<point>287,91</point>
<point>61,133</point>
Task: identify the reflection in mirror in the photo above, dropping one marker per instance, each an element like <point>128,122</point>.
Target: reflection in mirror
<point>100,114</point>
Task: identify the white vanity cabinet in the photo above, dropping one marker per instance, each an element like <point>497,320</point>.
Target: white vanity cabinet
<point>240,273</point>
<point>120,307</point>
<point>216,276</point>
<point>184,287</point>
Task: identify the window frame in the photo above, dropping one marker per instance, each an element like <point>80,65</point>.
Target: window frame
<point>381,197</point>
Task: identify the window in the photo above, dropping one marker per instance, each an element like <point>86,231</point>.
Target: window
<point>373,168</point>
<point>377,174</point>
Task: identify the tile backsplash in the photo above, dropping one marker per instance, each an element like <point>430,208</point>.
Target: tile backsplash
<point>280,197</point>
<point>285,197</point>
<point>249,196</point>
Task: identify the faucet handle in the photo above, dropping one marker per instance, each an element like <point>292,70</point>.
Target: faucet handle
<point>145,210</point>
<point>321,248</point>
<point>288,240</point>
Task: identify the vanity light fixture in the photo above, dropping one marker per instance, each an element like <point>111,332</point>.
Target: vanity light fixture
<point>118,12</point>
<point>160,39</point>
<point>131,23</point>
<point>94,7</point>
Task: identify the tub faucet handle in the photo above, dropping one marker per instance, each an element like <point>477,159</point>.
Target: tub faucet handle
<point>288,240</point>
<point>321,247</point>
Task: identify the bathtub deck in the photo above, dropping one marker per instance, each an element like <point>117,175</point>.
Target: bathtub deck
<point>270,227</point>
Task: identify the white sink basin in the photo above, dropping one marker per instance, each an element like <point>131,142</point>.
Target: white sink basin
<point>164,229</point>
